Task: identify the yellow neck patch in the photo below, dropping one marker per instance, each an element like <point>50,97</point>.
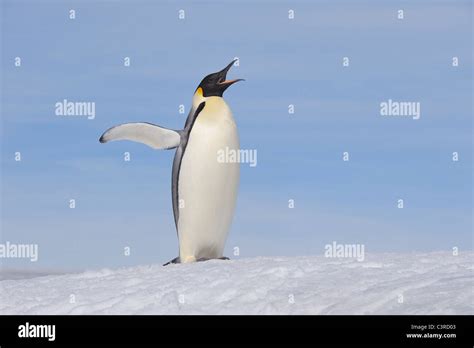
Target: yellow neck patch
<point>199,91</point>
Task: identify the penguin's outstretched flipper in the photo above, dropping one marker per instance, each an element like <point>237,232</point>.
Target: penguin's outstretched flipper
<point>146,133</point>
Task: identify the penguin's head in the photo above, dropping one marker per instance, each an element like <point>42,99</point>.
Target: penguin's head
<point>214,85</point>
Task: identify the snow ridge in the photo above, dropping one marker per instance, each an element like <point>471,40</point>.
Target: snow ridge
<point>428,283</point>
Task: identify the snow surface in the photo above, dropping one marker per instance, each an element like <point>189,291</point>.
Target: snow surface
<point>430,283</point>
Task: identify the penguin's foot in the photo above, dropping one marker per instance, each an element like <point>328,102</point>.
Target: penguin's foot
<point>207,259</point>
<point>175,260</point>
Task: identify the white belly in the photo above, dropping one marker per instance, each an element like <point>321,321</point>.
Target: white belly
<point>207,189</point>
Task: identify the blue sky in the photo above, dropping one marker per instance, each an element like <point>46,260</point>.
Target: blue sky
<point>299,156</point>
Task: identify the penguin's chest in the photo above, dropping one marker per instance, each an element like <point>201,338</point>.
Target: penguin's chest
<point>207,186</point>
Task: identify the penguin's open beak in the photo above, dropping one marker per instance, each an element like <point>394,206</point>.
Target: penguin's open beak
<point>222,75</point>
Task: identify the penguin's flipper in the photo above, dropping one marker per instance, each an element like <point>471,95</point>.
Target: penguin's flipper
<point>146,133</point>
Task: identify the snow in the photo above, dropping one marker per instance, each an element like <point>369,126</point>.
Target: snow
<point>427,283</point>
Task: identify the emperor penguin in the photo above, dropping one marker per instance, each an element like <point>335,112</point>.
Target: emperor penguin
<point>203,189</point>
